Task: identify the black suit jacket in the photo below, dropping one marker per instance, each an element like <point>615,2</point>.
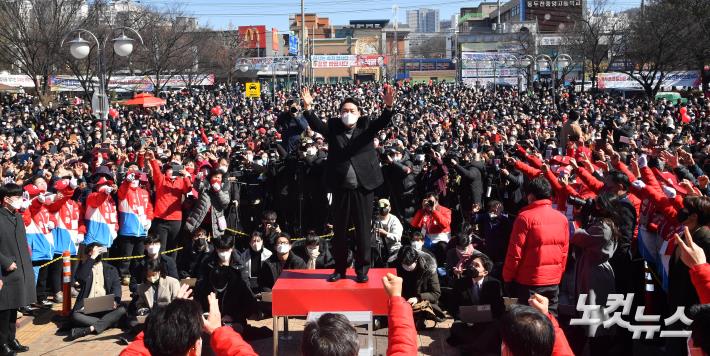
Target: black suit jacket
<point>357,150</point>
<point>85,277</point>
<point>491,293</point>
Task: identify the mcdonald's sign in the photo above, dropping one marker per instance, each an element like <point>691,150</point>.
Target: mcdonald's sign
<point>253,36</point>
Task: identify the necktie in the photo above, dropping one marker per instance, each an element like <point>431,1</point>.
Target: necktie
<point>474,293</point>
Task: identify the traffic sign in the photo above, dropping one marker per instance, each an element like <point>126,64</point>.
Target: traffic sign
<point>253,90</point>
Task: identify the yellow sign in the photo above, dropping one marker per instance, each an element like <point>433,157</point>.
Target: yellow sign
<point>253,90</point>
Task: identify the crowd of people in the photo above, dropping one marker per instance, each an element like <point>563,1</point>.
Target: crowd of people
<point>476,197</point>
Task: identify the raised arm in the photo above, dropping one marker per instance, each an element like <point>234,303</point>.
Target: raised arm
<point>313,120</point>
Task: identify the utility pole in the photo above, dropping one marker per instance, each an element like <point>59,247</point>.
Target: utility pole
<point>395,9</point>
<point>303,37</point>
<point>498,20</point>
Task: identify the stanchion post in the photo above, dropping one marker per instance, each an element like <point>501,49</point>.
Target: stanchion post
<point>66,283</point>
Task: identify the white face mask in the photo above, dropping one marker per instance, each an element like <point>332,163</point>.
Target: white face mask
<point>223,169</point>
<point>256,246</point>
<point>224,255</point>
<point>17,204</point>
<point>417,245</point>
<point>283,248</point>
<point>348,118</point>
<point>410,268</point>
<point>154,278</point>
<point>216,186</point>
<point>135,184</point>
<point>313,250</point>
<point>152,250</point>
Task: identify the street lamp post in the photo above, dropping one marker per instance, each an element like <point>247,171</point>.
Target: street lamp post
<point>543,59</point>
<point>526,61</point>
<point>80,49</point>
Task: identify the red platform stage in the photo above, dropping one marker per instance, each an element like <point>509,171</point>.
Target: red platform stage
<point>298,292</point>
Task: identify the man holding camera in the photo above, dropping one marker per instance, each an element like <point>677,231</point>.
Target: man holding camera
<point>434,221</point>
<point>291,124</point>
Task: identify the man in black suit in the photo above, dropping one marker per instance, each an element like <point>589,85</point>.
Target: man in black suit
<point>352,172</point>
<point>477,287</point>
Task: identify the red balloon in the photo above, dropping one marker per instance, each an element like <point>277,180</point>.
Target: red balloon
<point>216,111</point>
<point>113,113</point>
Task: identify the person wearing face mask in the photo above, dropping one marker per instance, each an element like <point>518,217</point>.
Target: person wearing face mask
<point>101,219</point>
<point>191,257</point>
<point>399,173</point>
<point>157,289</point>
<point>315,251</point>
<point>212,199</point>
<point>18,289</point>
<point>97,279</point>
<point>231,185</point>
<point>477,287</point>
<point>170,190</point>
<point>283,259</point>
<point>387,231</point>
<point>224,274</point>
<point>152,252</point>
<point>353,172</point>
<point>254,258</point>
<point>495,226</point>
<point>69,231</point>
<point>135,214</point>
<point>39,223</point>
<point>570,127</point>
<point>421,286</point>
<point>290,124</point>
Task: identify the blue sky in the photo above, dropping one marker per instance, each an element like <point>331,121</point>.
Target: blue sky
<point>220,14</point>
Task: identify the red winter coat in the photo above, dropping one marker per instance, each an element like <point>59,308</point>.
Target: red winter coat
<point>436,222</point>
<point>402,336</point>
<point>224,341</point>
<point>168,193</point>
<point>700,275</point>
<point>537,252</point>
<point>561,346</point>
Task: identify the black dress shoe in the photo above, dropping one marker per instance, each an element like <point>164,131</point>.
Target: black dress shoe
<point>362,278</point>
<point>5,350</point>
<point>17,347</point>
<point>334,277</point>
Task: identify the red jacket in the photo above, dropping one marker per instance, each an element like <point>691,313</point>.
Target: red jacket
<point>402,335</point>
<point>168,193</point>
<point>224,341</point>
<point>437,222</point>
<point>537,252</point>
<point>700,275</point>
<point>561,346</point>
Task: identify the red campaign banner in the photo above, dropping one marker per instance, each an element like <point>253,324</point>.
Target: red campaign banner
<point>371,60</point>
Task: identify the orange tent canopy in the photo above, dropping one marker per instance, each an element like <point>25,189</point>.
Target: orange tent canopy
<point>145,100</point>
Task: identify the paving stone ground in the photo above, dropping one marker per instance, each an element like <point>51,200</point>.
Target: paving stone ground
<point>42,334</point>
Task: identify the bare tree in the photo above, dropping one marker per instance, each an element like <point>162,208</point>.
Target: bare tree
<point>31,33</point>
<point>105,28</point>
<point>592,35</point>
<point>653,45</point>
<point>432,47</point>
<point>697,38</point>
<point>228,48</point>
<point>170,37</point>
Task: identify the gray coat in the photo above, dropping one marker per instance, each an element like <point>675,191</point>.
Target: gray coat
<point>19,285</point>
<point>209,200</point>
<point>594,275</point>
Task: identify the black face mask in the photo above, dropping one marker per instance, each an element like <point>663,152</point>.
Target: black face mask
<point>293,110</point>
<point>199,245</point>
<point>471,273</point>
<point>683,215</point>
<point>384,211</point>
